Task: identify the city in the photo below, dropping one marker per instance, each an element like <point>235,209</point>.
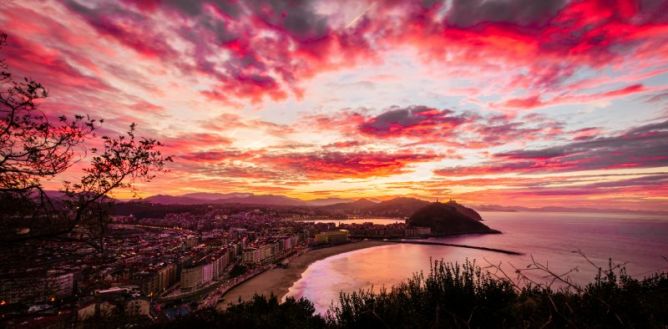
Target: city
<point>164,267</point>
<point>333,164</point>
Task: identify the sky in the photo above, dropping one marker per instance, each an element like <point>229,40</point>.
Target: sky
<point>518,103</point>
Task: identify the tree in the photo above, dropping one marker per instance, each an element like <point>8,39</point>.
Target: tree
<point>35,146</point>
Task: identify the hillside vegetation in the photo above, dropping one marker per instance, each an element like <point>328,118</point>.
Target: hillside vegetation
<point>463,296</point>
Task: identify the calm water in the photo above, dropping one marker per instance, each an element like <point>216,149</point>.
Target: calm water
<point>640,241</point>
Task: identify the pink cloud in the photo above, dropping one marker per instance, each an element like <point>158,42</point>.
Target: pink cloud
<point>640,147</point>
<point>333,165</point>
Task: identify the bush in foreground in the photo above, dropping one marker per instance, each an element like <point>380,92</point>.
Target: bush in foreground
<point>464,296</point>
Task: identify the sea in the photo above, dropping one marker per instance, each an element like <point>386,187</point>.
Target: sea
<point>572,245</point>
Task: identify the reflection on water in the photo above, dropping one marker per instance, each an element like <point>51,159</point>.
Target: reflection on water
<point>641,241</point>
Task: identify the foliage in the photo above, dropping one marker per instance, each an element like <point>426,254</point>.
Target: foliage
<point>238,270</point>
<point>463,296</point>
<point>36,146</point>
<point>466,296</point>
<point>451,296</point>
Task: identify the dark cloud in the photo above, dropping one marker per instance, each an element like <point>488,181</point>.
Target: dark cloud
<point>125,26</point>
<point>296,17</point>
<point>641,147</point>
<point>466,13</point>
<point>416,121</point>
<point>657,97</point>
<point>644,181</point>
<point>427,125</point>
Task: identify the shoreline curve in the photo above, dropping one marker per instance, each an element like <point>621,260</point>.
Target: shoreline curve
<point>278,280</point>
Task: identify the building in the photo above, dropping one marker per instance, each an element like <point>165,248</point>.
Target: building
<point>220,262</point>
<point>154,282</point>
<point>190,241</point>
<point>60,284</point>
<point>332,237</point>
<point>207,273</point>
<point>191,277</point>
<point>37,289</point>
<point>258,255</point>
<point>417,231</point>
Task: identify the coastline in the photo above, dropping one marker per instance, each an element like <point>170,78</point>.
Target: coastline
<point>278,281</point>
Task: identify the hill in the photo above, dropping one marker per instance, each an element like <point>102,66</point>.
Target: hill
<point>326,201</point>
<point>172,200</point>
<point>237,198</point>
<point>358,207</point>
<point>449,218</point>
<point>220,199</point>
<point>397,207</point>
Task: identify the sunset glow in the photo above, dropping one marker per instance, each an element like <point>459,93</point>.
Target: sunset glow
<point>523,103</point>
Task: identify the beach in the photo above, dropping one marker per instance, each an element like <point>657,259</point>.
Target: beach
<point>277,281</point>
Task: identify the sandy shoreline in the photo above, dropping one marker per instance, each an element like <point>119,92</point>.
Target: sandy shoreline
<point>279,280</point>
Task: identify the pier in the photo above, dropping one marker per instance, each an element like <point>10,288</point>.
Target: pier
<point>439,243</point>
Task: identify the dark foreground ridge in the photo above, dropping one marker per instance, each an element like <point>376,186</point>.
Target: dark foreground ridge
<point>438,243</point>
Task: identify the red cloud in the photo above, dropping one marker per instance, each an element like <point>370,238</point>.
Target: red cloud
<point>216,156</point>
<point>426,125</point>
<point>297,168</point>
<point>586,133</point>
<point>535,101</point>
<point>334,165</point>
<point>187,143</point>
<point>126,28</point>
<point>257,49</point>
<point>525,103</point>
<point>48,66</point>
<point>144,106</point>
<point>228,121</point>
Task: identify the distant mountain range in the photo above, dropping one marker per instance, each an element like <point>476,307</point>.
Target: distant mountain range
<point>397,207</point>
<point>237,198</point>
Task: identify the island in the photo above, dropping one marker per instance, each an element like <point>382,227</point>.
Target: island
<point>449,218</point>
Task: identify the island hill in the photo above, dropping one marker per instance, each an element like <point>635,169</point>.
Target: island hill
<point>449,218</point>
